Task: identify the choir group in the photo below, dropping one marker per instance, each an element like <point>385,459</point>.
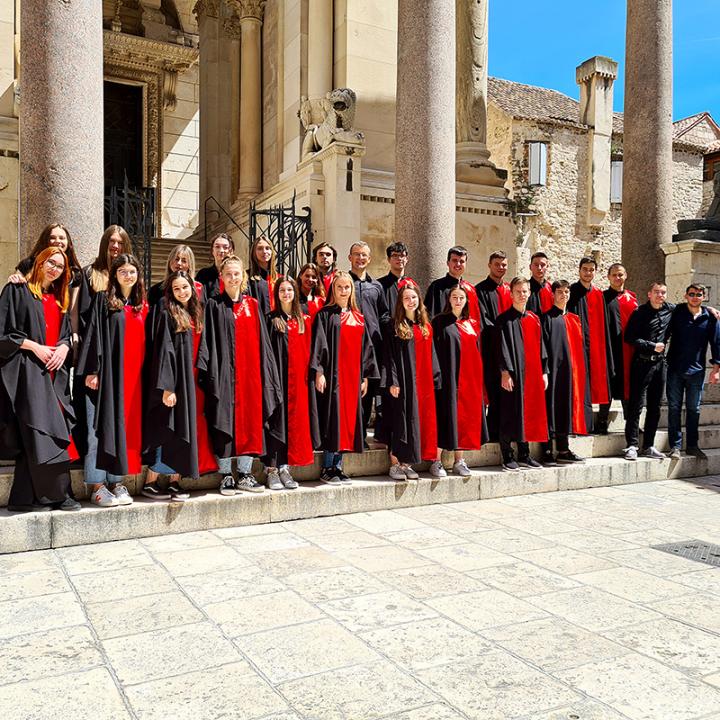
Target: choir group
<point>206,371</point>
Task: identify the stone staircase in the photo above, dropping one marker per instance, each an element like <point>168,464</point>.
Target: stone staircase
<point>161,248</point>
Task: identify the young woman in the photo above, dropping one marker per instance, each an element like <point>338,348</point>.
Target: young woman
<point>176,429</point>
<point>342,362</point>
<point>35,409</point>
<point>312,289</point>
<point>221,246</point>
<point>180,259</point>
<point>412,375</point>
<point>263,274</point>
<point>461,402</point>
<point>290,442</point>
<point>111,360</point>
<point>239,377</point>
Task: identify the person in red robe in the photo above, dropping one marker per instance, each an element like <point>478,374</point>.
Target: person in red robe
<point>342,361</point>
<point>111,360</point>
<point>522,360</point>
<point>290,439</point>
<point>263,274</point>
<point>35,408</point>
<point>324,255</point>
<point>221,246</point>
<point>180,259</point>
<point>411,376</point>
<point>311,289</point>
<point>438,290</point>
<point>541,295</point>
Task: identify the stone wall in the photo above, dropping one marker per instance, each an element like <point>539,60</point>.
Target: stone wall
<point>9,164</point>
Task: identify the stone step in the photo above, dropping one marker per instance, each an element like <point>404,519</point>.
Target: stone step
<point>209,510</point>
<point>709,415</point>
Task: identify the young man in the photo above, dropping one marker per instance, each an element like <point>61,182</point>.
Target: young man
<point>565,395</point>
<point>587,302</point>
<point>647,331</point>
<point>397,257</point>
<point>620,303</point>
<point>692,328</point>
<point>523,366</point>
<point>222,246</point>
<point>541,294</point>
<point>437,293</point>
<point>324,255</point>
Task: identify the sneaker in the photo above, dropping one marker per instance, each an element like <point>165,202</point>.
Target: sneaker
<point>177,494</point>
<point>273,480</point>
<point>69,505</point>
<point>288,481</point>
<point>631,453</point>
<point>548,459</point>
<point>529,462</point>
<point>227,485</point>
<point>248,483</point>
<point>461,468</point>
<point>102,497</point>
<point>344,479</point>
<point>397,472</point>
<point>151,490</point>
<point>437,469</point>
<point>696,452</point>
<point>330,477</point>
<point>35,507</point>
<point>675,454</point>
<point>653,452</point>
<point>510,465</point>
<point>410,474</point>
<point>568,456</point>
<point>121,494</point>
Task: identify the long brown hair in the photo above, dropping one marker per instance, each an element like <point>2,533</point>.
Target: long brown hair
<point>59,287</point>
<point>100,268</point>
<point>184,317</point>
<point>342,275</point>
<point>43,242</point>
<point>447,310</point>
<point>115,299</point>
<point>255,265</point>
<point>403,326</point>
<point>320,287</point>
<point>295,309</point>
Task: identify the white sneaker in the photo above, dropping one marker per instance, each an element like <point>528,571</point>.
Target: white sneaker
<point>461,468</point>
<point>437,469</point>
<point>397,472</point>
<point>410,474</point>
<point>288,481</point>
<point>653,452</point>
<point>121,494</point>
<point>102,497</point>
<point>631,453</point>
<point>273,480</point>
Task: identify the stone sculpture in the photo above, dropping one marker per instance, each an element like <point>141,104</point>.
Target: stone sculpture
<point>329,120</point>
<point>707,228</point>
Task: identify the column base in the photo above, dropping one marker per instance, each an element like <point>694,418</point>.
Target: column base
<point>473,166</point>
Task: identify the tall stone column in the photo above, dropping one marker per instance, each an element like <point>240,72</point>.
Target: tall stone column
<point>250,13</point>
<point>320,48</point>
<point>61,121</point>
<point>425,135</point>
<point>647,141</point>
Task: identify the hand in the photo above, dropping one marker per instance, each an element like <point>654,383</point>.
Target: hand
<point>714,377</point>
<point>17,279</point>
<point>42,352</point>
<point>169,398</point>
<point>320,383</point>
<point>92,382</point>
<point>58,358</point>
<point>659,347</point>
<point>713,311</point>
<point>507,381</point>
<point>363,387</point>
<point>545,380</point>
<point>395,391</point>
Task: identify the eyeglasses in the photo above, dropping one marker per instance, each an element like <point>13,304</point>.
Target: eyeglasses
<point>54,266</point>
<point>695,295</point>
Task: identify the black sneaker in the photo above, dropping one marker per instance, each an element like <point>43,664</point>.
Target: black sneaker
<point>568,457</point>
<point>227,485</point>
<point>37,507</point>
<point>151,490</point>
<point>248,483</point>
<point>548,459</point>
<point>528,462</point>
<point>510,465</point>
<point>177,493</point>
<point>344,479</point>
<point>69,505</point>
<point>330,477</point>
<point>696,452</point>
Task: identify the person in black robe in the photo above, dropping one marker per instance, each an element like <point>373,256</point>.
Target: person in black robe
<point>396,279</point>
<point>311,289</point>
<point>239,377</point>
<point>565,396</point>
<point>263,274</point>
<point>523,364</point>
<point>438,290</point>
<point>180,259</point>
<point>342,362</point>
<point>324,255</point>
<point>541,294</point>
<point>35,408</point>
<point>221,246</point>
<point>411,377</point>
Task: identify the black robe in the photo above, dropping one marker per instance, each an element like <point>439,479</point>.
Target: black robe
<point>259,288</point>
<point>391,285</point>
<point>216,365</point>
<point>619,306</point>
<point>437,293</point>
<point>324,359</point>
<point>172,428</point>
<point>35,409</point>
<point>541,297</point>
<point>210,280</point>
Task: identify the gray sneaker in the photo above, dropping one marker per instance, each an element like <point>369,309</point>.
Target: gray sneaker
<point>675,454</point>
<point>397,472</point>
<point>410,474</point>
<point>121,494</point>
<point>273,480</point>
<point>461,468</point>
<point>654,453</point>
<point>248,483</point>
<point>631,453</point>
<point>287,479</point>
<point>437,469</point>
<point>102,497</point>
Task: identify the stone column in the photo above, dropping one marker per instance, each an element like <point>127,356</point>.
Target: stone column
<point>320,48</point>
<point>647,141</point>
<point>250,13</point>
<point>425,135</point>
<point>61,121</point>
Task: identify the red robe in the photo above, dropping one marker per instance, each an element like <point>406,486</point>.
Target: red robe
<point>206,457</point>
<point>133,359</point>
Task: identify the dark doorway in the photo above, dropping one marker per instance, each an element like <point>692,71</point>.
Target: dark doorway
<point>123,135</point>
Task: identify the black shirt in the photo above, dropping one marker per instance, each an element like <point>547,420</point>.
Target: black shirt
<point>690,337</point>
<point>647,327</point>
<point>370,297</point>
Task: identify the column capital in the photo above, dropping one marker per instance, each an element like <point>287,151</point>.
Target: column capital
<point>249,9</point>
<point>231,27</point>
<point>206,8</point>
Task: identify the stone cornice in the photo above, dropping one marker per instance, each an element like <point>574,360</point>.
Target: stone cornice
<point>139,52</point>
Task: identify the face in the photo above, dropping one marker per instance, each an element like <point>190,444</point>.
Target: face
<point>324,258</point>
<point>53,267</point>
<point>263,252</point>
<point>308,281</point>
<point>520,293</point>
<point>359,257</point>
<point>397,262</point>
<point>657,295</point>
<point>232,276</point>
<point>457,264</point>
<point>498,267</point>
<point>342,289</point>
<point>538,268</point>
<point>221,248</point>
<point>562,296</point>
<point>410,301</point>
<point>458,298</point>
<point>694,297</point>
<point>180,263</point>
<point>58,239</point>
<point>181,290</point>
<point>115,245</point>
<point>127,275</point>
<point>617,277</point>
<point>587,272</point>
<point>286,293</point>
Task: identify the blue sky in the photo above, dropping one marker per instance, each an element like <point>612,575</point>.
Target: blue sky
<point>542,43</point>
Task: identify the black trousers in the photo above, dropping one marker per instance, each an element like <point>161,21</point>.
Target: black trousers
<point>372,395</point>
<point>506,449</point>
<point>562,443</point>
<point>647,385</point>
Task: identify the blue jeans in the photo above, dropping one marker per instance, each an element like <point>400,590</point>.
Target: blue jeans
<point>244,464</point>
<point>159,466</point>
<point>332,460</point>
<point>92,474</point>
<point>692,387</point>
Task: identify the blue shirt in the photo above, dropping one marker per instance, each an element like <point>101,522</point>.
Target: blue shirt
<point>690,335</point>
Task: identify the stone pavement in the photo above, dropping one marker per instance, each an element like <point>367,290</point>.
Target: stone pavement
<point>543,607</point>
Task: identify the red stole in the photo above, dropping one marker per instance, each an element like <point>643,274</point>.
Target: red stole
<point>300,449</point>
<point>425,392</point>
<point>271,290</point>
<point>504,297</point>
<point>534,408</point>
<point>327,281</point>
<point>546,297</point>
<point>627,303</point>
<point>206,457</point>
<point>352,329</point>
<point>470,386</point>
<point>472,299</point>
<point>405,281</point>
<point>573,329</point>
<point>314,305</point>
<point>598,346</point>
<point>134,355</point>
